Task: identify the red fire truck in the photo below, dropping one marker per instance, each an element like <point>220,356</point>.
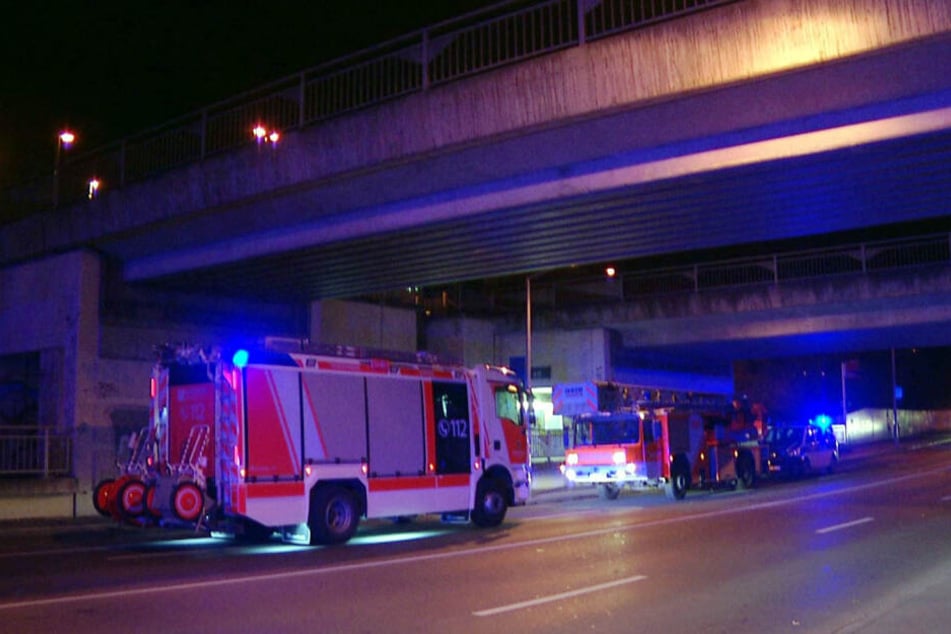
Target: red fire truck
<point>631,436</point>
<point>295,436</point>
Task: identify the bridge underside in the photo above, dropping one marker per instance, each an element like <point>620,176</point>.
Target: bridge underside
<point>865,188</point>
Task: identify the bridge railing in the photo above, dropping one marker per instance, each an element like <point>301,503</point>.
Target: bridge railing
<point>35,451</point>
<point>788,267</point>
<point>563,288</point>
<point>502,34</point>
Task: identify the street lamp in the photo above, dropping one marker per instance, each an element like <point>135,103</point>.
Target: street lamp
<point>63,141</point>
<point>263,135</point>
<point>93,188</point>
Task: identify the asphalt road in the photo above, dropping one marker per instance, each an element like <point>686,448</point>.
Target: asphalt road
<point>863,550</point>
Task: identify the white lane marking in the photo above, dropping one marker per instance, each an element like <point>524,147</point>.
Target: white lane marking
<point>838,527</point>
<point>557,597</point>
<point>476,551</point>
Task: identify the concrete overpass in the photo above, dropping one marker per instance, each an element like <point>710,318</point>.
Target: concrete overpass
<point>749,122</point>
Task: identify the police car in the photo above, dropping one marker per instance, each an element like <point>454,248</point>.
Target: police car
<point>796,450</point>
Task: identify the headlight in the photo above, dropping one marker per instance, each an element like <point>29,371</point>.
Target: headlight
<point>571,458</point>
<point>619,457</point>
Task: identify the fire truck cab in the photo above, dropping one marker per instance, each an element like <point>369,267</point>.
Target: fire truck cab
<point>630,436</point>
<point>301,439</point>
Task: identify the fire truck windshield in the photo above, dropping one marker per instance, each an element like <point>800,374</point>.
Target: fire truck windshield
<point>607,430</point>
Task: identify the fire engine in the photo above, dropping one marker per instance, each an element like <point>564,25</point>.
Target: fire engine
<point>636,437</point>
<point>295,436</point>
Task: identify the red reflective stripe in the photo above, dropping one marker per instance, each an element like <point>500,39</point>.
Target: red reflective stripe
<point>453,480</point>
<point>380,485</point>
<point>273,489</point>
<point>401,483</point>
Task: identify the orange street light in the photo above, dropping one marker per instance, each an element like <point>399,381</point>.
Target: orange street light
<point>63,141</point>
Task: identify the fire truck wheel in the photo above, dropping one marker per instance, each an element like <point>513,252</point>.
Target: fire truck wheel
<point>745,471</point>
<point>188,501</point>
<point>102,495</point>
<point>333,517</point>
<point>609,491</point>
<point>490,503</point>
<point>131,499</point>
<point>676,488</point>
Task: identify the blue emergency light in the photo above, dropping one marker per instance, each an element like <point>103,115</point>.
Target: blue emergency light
<point>240,358</point>
<point>823,421</point>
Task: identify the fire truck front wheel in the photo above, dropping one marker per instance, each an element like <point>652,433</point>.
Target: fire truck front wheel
<point>334,515</point>
<point>490,503</point>
<point>745,471</point>
<point>676,488</point>
<point>609,491</point>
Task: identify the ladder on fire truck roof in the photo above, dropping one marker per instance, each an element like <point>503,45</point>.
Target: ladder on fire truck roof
<point>186,353</point>
<point>639,397</point>
<point>304,346</point>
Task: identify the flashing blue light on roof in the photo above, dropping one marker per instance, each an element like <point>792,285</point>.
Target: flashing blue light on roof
<point>240,358</point>
<point>823,421</point>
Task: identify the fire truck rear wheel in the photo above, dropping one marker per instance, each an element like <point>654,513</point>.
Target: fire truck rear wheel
<point>102,496</point>
<point>188,501</point>
<point>676,488</point>
<point>609,491</point>
<point>745,471</point>
<point>490,503</point>
<point>333,517</point>
<point>131,499</point>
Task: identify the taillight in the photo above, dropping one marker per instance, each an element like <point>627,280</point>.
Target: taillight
<point>153,387</point>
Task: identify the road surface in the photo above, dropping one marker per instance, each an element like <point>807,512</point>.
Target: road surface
<point>865,549</point>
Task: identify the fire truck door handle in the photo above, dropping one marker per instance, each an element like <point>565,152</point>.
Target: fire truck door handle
<point>497,445</point>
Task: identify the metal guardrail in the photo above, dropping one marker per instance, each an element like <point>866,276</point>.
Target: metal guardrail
<point>495,36</point>
<point>786,267</point>
<point>547,445</point>
<point>770,269</point>
<point>34,451</point>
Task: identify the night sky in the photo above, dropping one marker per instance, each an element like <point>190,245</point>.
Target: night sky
<point>109,69</point>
